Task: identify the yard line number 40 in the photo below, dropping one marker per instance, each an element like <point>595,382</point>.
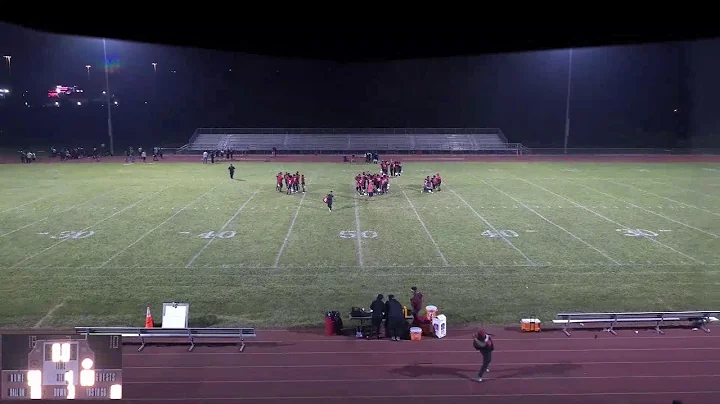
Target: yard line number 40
<point>221,234</point>
<point>499,233</point>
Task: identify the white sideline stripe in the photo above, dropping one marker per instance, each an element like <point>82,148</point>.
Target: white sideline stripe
<point>416,380</point>
<point>493,228</point>
<point>357,234</point>
<point>610,220</point>
<point>221,229</point>
<point>553,223</point>
<point>663,197</point>
<point>629,264</point>
<point>646,210</point>
<point>291,277</point>
<point>287,236</point>
<point>440,254</point>
<point>439,365</point>
<point>58,213</point>
<point>419,397</point>
<point>156,227</point>
<point>26,203</point>
<point>421,352</point>
<point>49,313</point>
<point>93,225</point>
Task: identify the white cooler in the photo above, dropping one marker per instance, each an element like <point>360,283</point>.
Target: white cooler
<point>440,325</point>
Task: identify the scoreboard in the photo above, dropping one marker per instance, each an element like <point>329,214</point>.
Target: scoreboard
<point>60,367</point>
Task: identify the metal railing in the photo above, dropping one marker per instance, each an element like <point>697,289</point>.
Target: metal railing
<point>623,151</point>
<point>351,131</point>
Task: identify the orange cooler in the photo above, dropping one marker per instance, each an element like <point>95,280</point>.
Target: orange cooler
<point>530,325</point>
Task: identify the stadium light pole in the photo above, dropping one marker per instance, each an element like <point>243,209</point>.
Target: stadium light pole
<point>88,70</point>
<point>7,59</point>
<point>107,93</point>
<point>567,102</point>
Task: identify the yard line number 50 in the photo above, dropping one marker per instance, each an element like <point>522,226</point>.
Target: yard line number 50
<point>353,234</point>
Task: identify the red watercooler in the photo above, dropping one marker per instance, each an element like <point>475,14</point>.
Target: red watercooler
<point>329,325</point>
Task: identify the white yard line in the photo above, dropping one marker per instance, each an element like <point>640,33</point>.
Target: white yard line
<point>93,225</point>
<point>49,314</point>
<point>440,254</point>
<point>156,227</point>
<point>58,213</point>
<point>553,223</point>
<point>646,210</point>
<point>357,234</point>
<point>663,197</point>
<point>287,236</point>
<point>26,203</point>
<point>493,228</point>
<point>685,189</point>
<point>240,209</point>
<point>609,220</point>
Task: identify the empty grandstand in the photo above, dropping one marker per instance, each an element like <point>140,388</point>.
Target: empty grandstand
<point>352,141</point>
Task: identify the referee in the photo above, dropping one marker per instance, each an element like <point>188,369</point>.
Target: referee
<point>329,200</point>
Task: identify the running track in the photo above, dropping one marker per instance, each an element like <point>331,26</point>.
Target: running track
<point>304,367</point>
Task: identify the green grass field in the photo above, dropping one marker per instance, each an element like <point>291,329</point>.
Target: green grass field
<point>86,244</point>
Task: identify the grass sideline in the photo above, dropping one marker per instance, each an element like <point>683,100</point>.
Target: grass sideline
<point>500,242</point>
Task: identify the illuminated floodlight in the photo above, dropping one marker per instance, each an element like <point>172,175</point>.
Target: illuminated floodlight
<point>57,104</point>
<point>4,90</point>
<point>115,102</point>
<point>115,392</point>
<point>79,103</point>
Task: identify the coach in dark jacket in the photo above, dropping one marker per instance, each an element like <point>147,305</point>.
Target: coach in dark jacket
<point>378,312</point>
<point>395,318</point>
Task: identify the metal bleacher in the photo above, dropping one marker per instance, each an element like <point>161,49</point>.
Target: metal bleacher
<point>349,140</point>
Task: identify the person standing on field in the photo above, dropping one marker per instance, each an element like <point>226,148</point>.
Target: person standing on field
<point>329,200</point>
<point>232,171</point>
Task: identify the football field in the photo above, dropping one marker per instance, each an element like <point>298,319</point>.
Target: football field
<point>93,244</point>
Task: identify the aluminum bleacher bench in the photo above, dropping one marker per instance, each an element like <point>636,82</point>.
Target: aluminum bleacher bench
<point>698,319</point>
<point>171,333</point>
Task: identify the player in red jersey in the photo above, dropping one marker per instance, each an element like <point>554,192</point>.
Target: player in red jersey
<point>279,183</point>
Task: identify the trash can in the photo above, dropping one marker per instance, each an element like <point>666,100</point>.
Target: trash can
<point>329,323</point>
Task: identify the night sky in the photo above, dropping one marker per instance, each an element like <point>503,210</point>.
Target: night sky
<point>621,96</point>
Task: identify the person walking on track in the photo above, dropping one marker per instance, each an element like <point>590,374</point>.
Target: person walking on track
<point>483,343</point>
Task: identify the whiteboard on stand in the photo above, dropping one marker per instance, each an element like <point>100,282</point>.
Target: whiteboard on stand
<point>175,315</point>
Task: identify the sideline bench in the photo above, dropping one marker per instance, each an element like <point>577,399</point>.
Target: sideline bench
<point>698,319</point>
<point>169,333</point>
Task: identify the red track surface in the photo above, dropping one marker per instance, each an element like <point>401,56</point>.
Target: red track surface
<point>304,367</point>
